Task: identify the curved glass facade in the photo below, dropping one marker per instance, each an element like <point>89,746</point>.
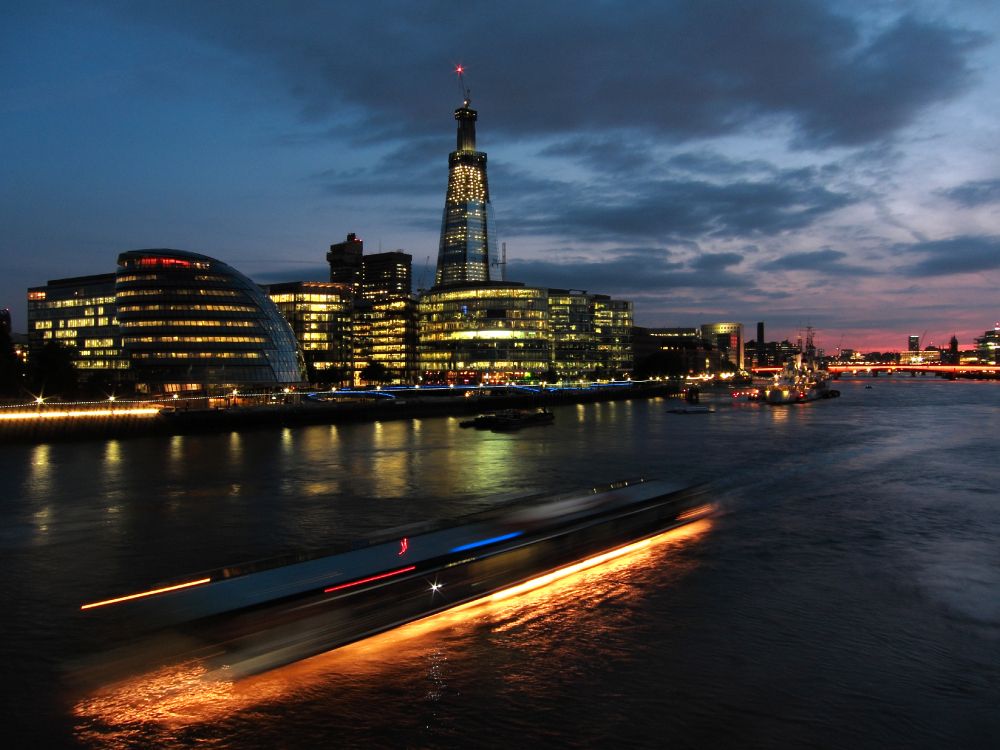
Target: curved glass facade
<point>191,323</point>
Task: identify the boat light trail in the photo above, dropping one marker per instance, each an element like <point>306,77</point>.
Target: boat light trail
<point>143,594</point>
<point>695,511</point>
<point>370,578</point>
<point>484,542</point>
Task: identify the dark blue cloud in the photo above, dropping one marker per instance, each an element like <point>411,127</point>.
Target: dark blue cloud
<point>623,276</point>
<point>824,261</point>
<point>976,193</point>
<point>957,255</point>
<point>678,68</point>
<point>715,261</point>
<point>678,209</point>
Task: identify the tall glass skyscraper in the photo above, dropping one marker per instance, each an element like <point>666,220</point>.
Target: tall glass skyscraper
<point>467,234</point>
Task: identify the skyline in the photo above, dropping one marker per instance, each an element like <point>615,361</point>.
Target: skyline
<point>662,154</point>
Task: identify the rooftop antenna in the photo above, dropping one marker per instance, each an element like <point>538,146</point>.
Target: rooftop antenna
<point>466,93</point>
<point>422,281</point>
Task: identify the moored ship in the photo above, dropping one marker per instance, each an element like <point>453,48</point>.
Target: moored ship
<point>797,383</point>
<point>801,379</point>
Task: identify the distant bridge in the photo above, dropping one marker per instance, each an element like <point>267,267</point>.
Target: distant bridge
<point>874,369</point>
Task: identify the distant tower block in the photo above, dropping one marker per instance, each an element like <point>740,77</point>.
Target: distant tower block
<point>466,227</point>
<point>345,261</point>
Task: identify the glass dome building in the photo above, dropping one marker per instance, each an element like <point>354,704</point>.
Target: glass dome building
<point>192,323</point>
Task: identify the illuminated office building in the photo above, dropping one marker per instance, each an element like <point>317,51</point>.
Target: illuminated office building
<point>727,338</point>
<point>474,329</point>
<point>495,332</point>
<point>467,236</point>
<point>385,317</point>
<point>321,316</point>
<point>613,326</point>
<point>591,335</point>
<point>575,354</point>
<point>80,313</point>
<point>988,346</point>
<point>191,323</point>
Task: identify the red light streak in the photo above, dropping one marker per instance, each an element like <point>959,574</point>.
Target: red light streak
<point>146,593</point>
<point>404,545</point>
<point>159,261</point>
<point>370,579</point>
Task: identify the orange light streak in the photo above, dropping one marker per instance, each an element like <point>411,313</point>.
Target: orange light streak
<point>83,413</point>
<point>695,511</point>
<point>188,693</point>
<point>146,593</point>
<point>548,578</point>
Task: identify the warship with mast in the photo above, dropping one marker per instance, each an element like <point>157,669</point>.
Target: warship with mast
<point>802,379</point>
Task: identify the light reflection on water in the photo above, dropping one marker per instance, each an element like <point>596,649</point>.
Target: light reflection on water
<point>846,599</point>
<point>155,706</point>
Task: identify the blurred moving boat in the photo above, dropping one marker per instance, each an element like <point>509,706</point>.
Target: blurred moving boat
<point>250,618</point>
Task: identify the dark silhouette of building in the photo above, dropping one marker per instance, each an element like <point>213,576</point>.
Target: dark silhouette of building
<point>387,274</point>
<point>952,356</point>
<point>668,351</point>
<point>345,261</point>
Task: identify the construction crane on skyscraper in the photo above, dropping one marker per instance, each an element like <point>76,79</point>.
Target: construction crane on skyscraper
<point>466,93</point>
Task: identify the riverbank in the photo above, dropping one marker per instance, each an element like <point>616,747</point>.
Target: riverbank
<point>84,422</point>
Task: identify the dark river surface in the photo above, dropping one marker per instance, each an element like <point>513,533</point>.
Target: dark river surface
<point>846,595</point>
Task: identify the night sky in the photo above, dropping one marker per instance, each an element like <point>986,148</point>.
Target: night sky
<point>800,163</point>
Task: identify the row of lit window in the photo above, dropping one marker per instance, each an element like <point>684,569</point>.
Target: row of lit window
<point>186,308</point>
<point>102,364</point>
<point>193,340</point>
<point>189,324</point>
<point>60,303</point>
<point>460,296</point>
<point>329,298</point>
<point>126,278</point>
<point>489,365</point>
<point>177,292</point>
<point>197,355</point>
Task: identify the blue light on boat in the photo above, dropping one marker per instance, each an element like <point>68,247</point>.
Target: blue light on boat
<point>484,542</point>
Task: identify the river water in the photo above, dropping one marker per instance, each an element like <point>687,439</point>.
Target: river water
<point>846,594</point>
